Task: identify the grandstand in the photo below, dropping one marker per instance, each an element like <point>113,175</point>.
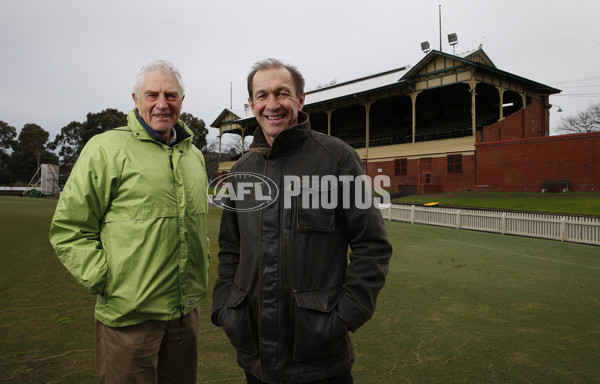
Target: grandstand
<point>448,123</point>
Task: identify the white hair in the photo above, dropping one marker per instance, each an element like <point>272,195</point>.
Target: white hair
<point>158,65</point>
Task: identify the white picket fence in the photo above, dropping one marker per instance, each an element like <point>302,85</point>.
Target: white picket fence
<point>548,226</point>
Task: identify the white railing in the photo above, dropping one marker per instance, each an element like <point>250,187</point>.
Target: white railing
<point>548,226</point>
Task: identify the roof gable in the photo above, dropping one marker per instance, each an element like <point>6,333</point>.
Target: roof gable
<point>436,61</point>
<point>228,116</point>
<point>478,56</point>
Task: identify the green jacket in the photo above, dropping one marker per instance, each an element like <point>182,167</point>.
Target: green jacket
<point>130,225</point>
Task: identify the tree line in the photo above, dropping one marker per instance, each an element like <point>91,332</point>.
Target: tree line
<point>21,155</point>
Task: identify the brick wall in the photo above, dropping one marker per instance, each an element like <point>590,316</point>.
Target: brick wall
<point>441,180</point>
<point>522,165</point>
<point>526,123</point>
<point>512,165</point>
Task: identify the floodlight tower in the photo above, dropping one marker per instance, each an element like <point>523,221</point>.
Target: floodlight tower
<point>453,40</point>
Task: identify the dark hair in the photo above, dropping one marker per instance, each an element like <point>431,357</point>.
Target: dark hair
<point>274,63</point>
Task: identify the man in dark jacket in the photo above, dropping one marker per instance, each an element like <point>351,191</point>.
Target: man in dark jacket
<point>288,291</point>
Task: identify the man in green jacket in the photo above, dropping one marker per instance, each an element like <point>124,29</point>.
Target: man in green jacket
<point>131,227</point>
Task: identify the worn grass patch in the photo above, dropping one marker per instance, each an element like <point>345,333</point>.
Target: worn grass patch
<point>458,307</point>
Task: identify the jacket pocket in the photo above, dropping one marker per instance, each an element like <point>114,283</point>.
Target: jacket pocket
<point>314,219</point>
<point>315,208</point>
<point>234,318</point>
<point>319,332</point>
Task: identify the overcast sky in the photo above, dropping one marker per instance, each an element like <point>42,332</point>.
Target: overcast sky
<point>64,58</point>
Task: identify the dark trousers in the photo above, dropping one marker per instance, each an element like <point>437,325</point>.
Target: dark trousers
<point>342,378</point>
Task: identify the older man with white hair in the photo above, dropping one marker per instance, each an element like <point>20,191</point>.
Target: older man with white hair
<point>131,228</point>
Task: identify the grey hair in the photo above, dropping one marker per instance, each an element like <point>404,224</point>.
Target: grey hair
<point>274,63</point>
<point>158,65</point>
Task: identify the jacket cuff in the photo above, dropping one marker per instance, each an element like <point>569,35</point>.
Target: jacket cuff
<point>214,317</point>
<point>352,313</point>
<point>217,305</point>
<point>94,289</point>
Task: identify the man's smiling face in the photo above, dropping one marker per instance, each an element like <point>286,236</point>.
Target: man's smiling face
<point>159,101</point>
<point>274,101</point>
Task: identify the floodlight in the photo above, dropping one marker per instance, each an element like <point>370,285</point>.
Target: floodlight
<point>452,39</point>
<point>425,46</point>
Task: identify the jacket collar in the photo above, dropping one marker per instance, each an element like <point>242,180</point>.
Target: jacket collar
<point>286,141</point>
<point>180,130</point>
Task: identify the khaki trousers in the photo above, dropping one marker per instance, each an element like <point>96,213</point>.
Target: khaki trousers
<point>153,352</point>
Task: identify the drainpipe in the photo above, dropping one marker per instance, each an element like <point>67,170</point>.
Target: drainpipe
<point>501,91</point>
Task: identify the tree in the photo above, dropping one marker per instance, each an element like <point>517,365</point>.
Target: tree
<point>33,139</point>
<point>7,143</point>
<point>198,127</point>
<point>236,146</point>
<point>101,122</point>
<point>7,136</point>
<point>211,158</point>
<point>29,152</point>
<point>70,141</point>
<point>74,136</point>
<point>584,121</point>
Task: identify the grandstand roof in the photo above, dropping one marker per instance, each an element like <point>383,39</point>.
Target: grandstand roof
<point>352,87</point>
<point>477,58</point>
<point>356,86</point>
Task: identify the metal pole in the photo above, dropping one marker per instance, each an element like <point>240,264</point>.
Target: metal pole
<point>440,12</point>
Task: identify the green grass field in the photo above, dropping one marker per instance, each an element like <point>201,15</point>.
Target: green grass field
<point>459,307</point>
<point>578,203</point>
